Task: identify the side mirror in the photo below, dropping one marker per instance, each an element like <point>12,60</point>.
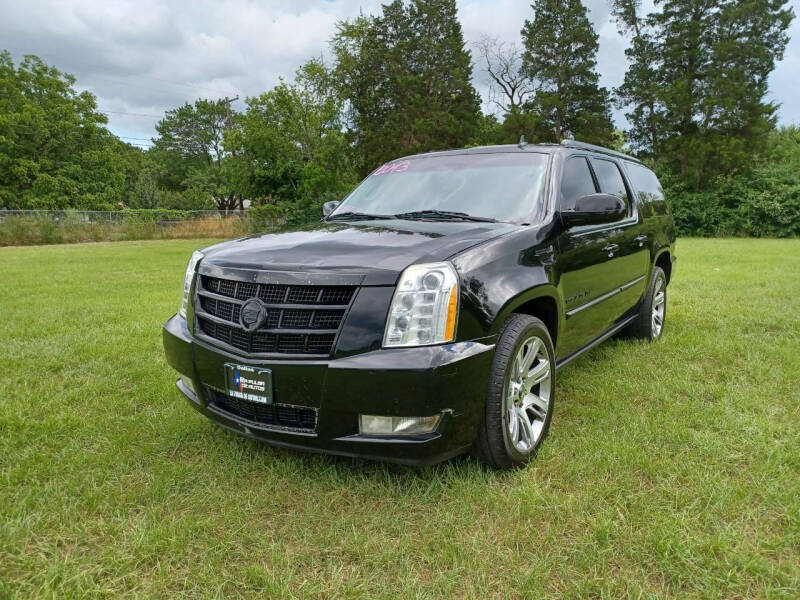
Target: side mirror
<point>329,207</point>
<point>595,209</point>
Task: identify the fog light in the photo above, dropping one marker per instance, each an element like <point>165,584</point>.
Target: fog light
<point>187,382</point>
<point>376,425</point>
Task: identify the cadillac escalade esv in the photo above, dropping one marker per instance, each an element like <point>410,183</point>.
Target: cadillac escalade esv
<point>427,313</point>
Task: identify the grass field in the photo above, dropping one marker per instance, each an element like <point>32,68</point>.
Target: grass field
<point>672,470</point>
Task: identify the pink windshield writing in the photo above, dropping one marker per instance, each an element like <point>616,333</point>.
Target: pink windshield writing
<point>393,168</point>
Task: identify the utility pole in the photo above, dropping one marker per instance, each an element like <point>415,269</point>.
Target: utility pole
<point>229,119</point>
<point>229,126</point>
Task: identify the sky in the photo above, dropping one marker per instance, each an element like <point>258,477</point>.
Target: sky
<point>142,57</point>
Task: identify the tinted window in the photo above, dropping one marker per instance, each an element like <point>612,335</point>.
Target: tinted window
<point>576,182</point>
<point>503,186</point>
<point>646,183</point>
<point>610,178</point>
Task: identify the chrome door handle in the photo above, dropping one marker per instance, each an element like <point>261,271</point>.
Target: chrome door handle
<point>610,248</point>
<point>547,255</point>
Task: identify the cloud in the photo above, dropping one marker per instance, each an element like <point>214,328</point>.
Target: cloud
<point>143,57</point>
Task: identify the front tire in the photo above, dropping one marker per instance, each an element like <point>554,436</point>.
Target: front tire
<point>521,394</point>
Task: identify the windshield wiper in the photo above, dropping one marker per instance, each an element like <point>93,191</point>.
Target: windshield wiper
<point>356,216</point>
<point>444,215</point>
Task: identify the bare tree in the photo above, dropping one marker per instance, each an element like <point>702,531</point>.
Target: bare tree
<point>509,88</point>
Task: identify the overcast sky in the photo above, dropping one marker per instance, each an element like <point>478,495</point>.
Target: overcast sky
<point>141,57</point>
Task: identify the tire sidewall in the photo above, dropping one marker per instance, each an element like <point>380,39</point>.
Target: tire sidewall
<point>537,328</point>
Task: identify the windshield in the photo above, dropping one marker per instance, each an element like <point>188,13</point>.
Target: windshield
<point>501,186</point>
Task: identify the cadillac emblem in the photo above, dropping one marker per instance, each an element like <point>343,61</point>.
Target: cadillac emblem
<point>253,314</point>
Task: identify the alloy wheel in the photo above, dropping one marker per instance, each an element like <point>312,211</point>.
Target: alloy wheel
<point>528,394</point>
<point>659,306</point>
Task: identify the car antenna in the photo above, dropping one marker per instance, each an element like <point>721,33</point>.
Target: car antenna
<point>522,142</point>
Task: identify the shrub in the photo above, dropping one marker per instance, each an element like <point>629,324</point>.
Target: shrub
<point>763,202</point>
<point>266,216</point>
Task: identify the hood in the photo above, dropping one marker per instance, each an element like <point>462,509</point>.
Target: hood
<point>379,250</point>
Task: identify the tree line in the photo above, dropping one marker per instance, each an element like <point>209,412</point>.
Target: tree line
<point>400,82</point>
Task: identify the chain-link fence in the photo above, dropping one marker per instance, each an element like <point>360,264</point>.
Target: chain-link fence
<point>165,216</point>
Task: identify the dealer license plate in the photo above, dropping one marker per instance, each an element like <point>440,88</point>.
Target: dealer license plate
<point>249,383</point>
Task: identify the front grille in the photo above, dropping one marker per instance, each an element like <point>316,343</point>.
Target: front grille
<point>301,319</point>
<point>272,293</point>
<point>300,418</point>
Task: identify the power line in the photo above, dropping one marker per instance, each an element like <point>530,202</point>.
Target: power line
<point>115,79</point>
<point>126,137</point>
<point>138,141</point>
<point>116,112</point>
<point>135,86</point>
<point>111,112</point>
<point>107,76</point>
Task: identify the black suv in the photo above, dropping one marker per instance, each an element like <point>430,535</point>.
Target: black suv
<point>427,313</point>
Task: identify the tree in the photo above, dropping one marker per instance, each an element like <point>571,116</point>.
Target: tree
<point>406,78</point>
<point>189,149</point>
<point>490,131</point>
<point>292,149</point>
<point>559,59</point>
<point>639,91</point>
<point>55,151</point>
<point>510,89</point>
<point>146,193</point>
<point>697,81</point>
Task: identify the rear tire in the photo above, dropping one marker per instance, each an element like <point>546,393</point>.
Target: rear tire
<point>521,394</point>
<point>649,322</point>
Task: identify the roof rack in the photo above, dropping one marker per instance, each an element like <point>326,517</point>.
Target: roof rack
<point>599,149</point>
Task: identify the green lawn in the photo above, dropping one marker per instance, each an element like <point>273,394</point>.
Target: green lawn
<point>672,470</point>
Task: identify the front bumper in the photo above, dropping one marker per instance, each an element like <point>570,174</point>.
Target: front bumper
<point>450,380</point>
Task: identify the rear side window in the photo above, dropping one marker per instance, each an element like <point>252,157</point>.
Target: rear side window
<point>577,182</point>
<point>610,178</point>
<point>647,185</point>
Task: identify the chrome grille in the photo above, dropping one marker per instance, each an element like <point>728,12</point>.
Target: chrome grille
<point>301,319</point>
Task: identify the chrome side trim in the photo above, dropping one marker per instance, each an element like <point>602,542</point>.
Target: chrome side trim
<point>605,296</point>
<point>591,303</point>
<point>624,287</point>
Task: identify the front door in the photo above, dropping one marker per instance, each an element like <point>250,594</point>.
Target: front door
<point>628,241</point>
<point>599,273</point>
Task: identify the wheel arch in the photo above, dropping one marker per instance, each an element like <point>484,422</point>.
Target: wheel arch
<point>664,260</point>
<point>542,302</point>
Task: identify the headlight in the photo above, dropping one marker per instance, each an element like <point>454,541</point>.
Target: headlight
<point>187,281</point>
<point>424,306</point>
